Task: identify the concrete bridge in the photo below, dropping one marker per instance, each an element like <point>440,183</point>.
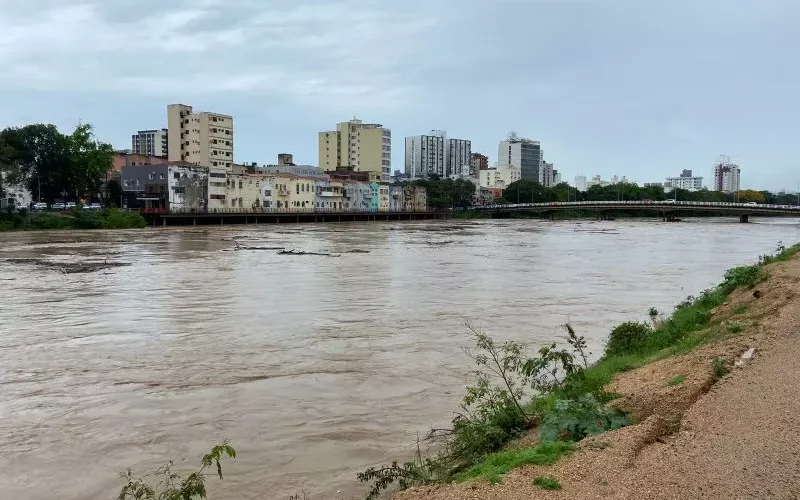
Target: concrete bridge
<point>668,210</point>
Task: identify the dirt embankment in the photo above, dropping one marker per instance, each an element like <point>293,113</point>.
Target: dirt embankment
<point>698,436</point>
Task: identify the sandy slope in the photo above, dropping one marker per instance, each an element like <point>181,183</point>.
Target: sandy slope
<point>738,438</point>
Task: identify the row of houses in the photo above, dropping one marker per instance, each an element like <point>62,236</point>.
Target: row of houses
<point>185,187</point>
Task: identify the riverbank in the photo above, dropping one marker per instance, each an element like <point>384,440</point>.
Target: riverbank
<point>110,218</point>
<point>712,412</point>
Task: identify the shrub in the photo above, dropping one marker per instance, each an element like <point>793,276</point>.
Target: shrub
<point>115,219</point>
<point>85,219</point>
<point>677,380</point>
<point>547,483</point>
<point>720,367</point>
<point>734,327</point>
<point>746,276</point>
<point>574,419</point>
<point>740,309</point>
<point>628,338</point>
<point>173,486</point>
<point>48,221</point>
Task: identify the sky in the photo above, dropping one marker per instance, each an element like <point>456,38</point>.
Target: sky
<point>641,88</point>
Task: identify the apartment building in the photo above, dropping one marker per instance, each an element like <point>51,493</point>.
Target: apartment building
<point>498,177</point>
<point>151,143</point>
<point>726,176</point>
<point>525,154</point>
<point>363,147</point>
<point>358,195</point>
<point>203,138</point>
<point>330,195</point>
<point>685,181</point>
<point>436,154</point>
<point>477,163</point>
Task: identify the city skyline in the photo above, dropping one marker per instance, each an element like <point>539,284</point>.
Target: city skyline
<point>614,88</point>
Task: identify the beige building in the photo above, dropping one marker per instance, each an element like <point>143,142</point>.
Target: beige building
<point>499,177</point>
<point>302,193</point>
<point>364,147</point>
<point>199,138</point>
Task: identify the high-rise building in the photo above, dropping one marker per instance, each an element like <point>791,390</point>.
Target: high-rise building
<point>726,175</point>
<point>204,138</point>
<point>526,154</point>
<point>436,154</point>
<point>580,183</point>
<point>478,162</point>
<point>425,155</point>
<point>548,175</point>
<point>361,147</point>
<point>556,177</point>
<point>458,156</point>
<point>685,181</point>
<point>150,142</point>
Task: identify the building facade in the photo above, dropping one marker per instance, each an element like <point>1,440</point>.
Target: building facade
<point>425,155</point>
<point>330,195</point>
<point>477,163</point>
<point>458,157</point>
<point>499,177</point>
<point>580,183</point>
<point>358,196</point>
<point>525,154</point>
<point>364,147</point>
<point>151,143</point>
<point>726,176</point>
<point>415,198</point>
<point>204,139</point>
<point>685,181</point>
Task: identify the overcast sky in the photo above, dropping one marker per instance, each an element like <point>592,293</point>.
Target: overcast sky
<point>641,88</point>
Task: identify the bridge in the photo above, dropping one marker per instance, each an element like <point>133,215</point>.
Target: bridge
<point>667,210</point>
<point>165,217</point>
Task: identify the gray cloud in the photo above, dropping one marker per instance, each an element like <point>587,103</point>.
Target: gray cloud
<point>635,87</point>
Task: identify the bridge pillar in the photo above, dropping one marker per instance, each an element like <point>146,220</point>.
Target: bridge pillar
<point>744,218</point>
<point>194,221</point>
<point>163,222</point>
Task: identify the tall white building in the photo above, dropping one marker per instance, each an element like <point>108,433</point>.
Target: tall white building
<point>498,177</point>
<point>150,142</point>
<point>204,138</point>
<point>580,183</point>
<point>726,175</point>
<point>525,154</point>
<point>435,154</point>
<point>685,181</point>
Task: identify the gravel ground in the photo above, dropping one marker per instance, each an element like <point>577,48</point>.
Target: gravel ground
<point>738,438</point>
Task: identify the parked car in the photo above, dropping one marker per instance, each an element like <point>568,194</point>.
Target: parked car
<point>70,205</point>
<point>94,206</point>
<point>751,204</point>
<point>671,200</point>
<point>57,206</point>
<point>40,206</point>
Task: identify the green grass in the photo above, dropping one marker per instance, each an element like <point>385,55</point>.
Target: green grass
<point>677,380</point>
<point>547,483</point>
<point>720,367</point>
<point>734,327</point>
<point>495,465</point>
<point>741,309</point>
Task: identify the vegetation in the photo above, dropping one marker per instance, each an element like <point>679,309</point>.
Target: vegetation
<point>447,193</point>
<point>734,327</point>
<point>547,483</point>
<point>740,309</point>
<point>720,366</point>
<point>525,191</point>
<point>169,485</point>
<point>53,165</point>
<point>557,390</point>
<point>80,218</point>
<point>497,464</point>
<point>677,380</point>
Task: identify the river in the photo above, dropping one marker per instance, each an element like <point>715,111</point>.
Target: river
<point>313,366</point>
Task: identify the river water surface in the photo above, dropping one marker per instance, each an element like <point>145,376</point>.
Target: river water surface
<point>313,366</point>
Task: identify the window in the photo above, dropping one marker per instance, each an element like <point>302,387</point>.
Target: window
<point>179,189</point>
<point>161,177</point>
<point>177,175</point>
<point>298,188</point>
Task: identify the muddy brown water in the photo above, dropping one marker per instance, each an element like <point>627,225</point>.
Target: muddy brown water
<point>314,366</point>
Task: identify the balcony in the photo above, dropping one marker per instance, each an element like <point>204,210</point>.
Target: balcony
<point>327,194</point>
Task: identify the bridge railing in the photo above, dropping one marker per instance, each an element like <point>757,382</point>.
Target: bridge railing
<point>642,203</point>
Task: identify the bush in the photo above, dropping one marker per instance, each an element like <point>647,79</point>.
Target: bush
<point>547,483</point>
<point>574,419</point>
<point>747,276</point>
<point>720,367</point>
<point>85,219</point>
<point>115,219</point>
<point>48,221</point>
<point>173,486</point>
<point>628,338</point>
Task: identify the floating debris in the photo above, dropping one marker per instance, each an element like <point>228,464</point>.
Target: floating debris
<point>71,267</point>
<point>239,246</point>
<point>356,251</point>
<point>300,252</point>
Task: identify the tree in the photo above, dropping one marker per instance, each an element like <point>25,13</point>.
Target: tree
<point>90,161</point>
<point>525,191</point>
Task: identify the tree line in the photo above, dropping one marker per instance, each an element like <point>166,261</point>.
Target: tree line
<point>53,165</point>
<point>524,191</point>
